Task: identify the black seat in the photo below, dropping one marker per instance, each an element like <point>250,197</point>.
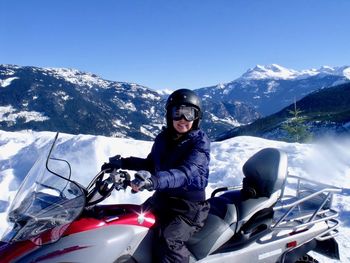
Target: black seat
<point>219,227</point>
<point>263,183</point>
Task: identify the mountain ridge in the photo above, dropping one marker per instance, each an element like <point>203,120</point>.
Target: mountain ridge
<point>324,112</point>
<point>78,102</point>
<point>270,88</point>
<point>75,101</point>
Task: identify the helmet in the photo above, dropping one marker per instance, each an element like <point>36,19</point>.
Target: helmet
<point>183,97</point>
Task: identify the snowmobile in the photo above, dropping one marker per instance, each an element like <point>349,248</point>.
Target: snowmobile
<point>271,217</point>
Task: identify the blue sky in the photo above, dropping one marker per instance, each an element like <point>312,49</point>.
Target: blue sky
<point>170,44</point>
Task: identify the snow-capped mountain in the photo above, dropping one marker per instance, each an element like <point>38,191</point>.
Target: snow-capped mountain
<point>271,88</point>
<point>275,71</point>
<point>75,102</point>
<point>324,112</point>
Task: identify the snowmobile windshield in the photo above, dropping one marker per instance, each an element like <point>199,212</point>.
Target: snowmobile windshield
<point>46,202</point>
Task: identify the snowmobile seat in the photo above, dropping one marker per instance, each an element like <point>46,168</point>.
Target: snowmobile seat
<point>219,227</point>
<point>264,179</point>
<point>263,183</point>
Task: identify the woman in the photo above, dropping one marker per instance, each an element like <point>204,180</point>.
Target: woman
<point>177,168</point>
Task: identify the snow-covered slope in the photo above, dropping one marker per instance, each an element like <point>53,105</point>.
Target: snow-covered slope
<point>326,161</point>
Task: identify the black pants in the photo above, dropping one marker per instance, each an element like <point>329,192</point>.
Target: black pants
<point>176,221</point>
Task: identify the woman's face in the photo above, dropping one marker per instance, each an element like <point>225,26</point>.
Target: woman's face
<point>182,126</point>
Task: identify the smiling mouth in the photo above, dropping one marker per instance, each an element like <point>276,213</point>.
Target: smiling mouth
<point>182,125</point>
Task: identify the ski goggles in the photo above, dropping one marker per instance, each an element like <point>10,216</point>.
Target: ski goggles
<point>187,112</point>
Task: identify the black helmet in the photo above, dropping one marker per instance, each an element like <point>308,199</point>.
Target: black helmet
<point>183,97</point>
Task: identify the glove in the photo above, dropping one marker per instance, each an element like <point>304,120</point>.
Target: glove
<point>115,162</point>
<point>142,181</point>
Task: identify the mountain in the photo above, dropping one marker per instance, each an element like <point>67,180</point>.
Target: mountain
<point>224,115</point>
<point>71,101</point>
<point>270,88</point>
<point>325,111</point>
<point>76,102</point>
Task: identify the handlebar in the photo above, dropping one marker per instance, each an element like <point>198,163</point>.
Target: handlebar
<point>101,186</point>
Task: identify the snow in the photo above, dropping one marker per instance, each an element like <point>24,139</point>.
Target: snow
<point>275,71</point>
<point>271,87</point>
<point>346,72</point>
<point>63,95</point>
<point>228,120</point>
<point>150,96</point>
<point>8,70</point>
<point>10,114</point>
<point>78,77</point>
<point>337,71</point>
<point>6,82</point>
<point>119,123</point>
<point>164,92</point>
<point>130,106</point>
<point>145,130</point>
<point>326,161</point>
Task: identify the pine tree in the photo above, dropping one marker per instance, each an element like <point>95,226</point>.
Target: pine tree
<point>296,128</point>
